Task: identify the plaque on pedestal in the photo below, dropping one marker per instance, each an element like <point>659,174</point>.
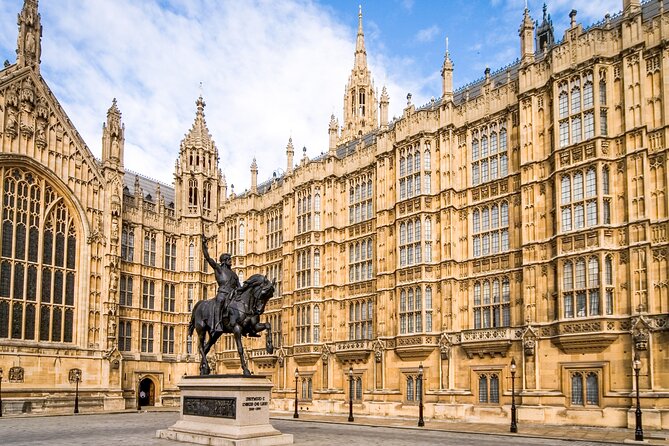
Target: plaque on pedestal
<point>225,410</point>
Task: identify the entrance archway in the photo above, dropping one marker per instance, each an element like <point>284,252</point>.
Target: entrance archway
<point>147,392</point>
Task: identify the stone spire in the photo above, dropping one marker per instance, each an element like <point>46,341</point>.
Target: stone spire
<point>447,75</point>
<point>545,35</point>
<point>290,152</point>
<point>254,176</point>
<point>383,107</point>
<point>360,53</point>
<point>29,44</point>
<point>332,132</point>
<point>113,138</point>
<point>526,33</point>
<point>360,104</point>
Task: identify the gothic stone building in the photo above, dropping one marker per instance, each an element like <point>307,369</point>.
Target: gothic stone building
<point>523,216</point>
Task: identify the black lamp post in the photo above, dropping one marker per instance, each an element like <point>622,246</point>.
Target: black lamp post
<point>350,394</point>
<point>296,415</point>
<point>419,384</point>
<point>77,378</point>
<point>638,431</point>
<point>0,392</point>
<point>514,426</point>
<point>139,391</point>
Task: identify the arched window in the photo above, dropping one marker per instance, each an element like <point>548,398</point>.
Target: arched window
<point>592,389</point>
<point>242,239</point>
<point>577,389</point>
<point>590,183</point>
<point>493,143</point>
<point>317,322</point>
<point>608,271</point>
<point>426,159</point>
<point>576,99</point>
<point>192,192</point>
<point>34,218</point>
<point>410,389</point>
<point>317,268</point>
<point>568,277</point>
<point>562,105</point>
<point>483,389</point>
<point>191,257</point>
<point>587,93</point>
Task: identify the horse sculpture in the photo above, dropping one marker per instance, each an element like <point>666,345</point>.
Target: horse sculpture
<point>241,318</point>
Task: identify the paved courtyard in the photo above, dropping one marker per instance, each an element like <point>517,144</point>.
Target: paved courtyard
<point>138,429</point>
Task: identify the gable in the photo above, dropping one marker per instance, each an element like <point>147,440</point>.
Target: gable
<point>37,126</point>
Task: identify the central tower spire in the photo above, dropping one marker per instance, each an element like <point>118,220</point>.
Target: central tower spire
<point>360,53</point>
<point>360,104</point>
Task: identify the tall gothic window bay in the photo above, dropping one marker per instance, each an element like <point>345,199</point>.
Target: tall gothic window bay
<point>587,288</point>
<point>489,153</point>
<point>492,303</point>
<point>38,259</point>
<point>415,241</point>
<point>415,310</point>
<point>415,170</point>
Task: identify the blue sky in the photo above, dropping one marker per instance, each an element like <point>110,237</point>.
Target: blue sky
<point>270,69</point>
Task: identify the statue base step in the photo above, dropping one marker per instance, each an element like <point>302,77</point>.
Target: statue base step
<point>225,410</point>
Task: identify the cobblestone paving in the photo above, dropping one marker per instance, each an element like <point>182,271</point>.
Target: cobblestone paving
<point>139,429</point>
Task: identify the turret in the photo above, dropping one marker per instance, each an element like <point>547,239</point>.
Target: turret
<point>290,152</point>
<point>447,76</point>
<point>526,33</point>
<point>332,132</point>
<point>545,37</point>
<point>113,138</point>
<point>29,44</point>
<point>254,177</point>
<point>383,107</point>
<point>197,176</point>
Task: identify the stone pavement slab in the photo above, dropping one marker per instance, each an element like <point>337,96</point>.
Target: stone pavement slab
<point>138,429</point>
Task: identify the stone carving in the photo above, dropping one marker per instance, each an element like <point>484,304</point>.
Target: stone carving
<point>641,340</point>
<point>444,346</point>
<point>528,346</point>
<point>210,407</point>
<point>16,375</point>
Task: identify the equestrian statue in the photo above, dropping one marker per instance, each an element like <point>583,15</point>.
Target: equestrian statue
<point>235,309</point>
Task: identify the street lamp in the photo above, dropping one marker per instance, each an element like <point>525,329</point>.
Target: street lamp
<point>419,384</point>
<point>514,426</point>
<point>139,391</point>
<point>77,378</point>
<point>350,394</point>
<point>297,373</point>
<point>638,431</point>
<point>0,392</point>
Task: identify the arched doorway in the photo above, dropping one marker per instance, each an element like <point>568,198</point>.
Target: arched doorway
<point>147,392</point>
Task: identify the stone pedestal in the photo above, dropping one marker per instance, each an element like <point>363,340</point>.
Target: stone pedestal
<point>225,410</point>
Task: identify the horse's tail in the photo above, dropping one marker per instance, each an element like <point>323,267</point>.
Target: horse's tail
<point>191,324</point>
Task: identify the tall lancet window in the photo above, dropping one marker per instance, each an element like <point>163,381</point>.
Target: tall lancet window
<point>361,101</point>
<point>38,260</point>
<point>192,193</point>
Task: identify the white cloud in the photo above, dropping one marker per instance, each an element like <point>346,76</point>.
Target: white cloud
<point>427,34</point>
<point>269,70</point>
